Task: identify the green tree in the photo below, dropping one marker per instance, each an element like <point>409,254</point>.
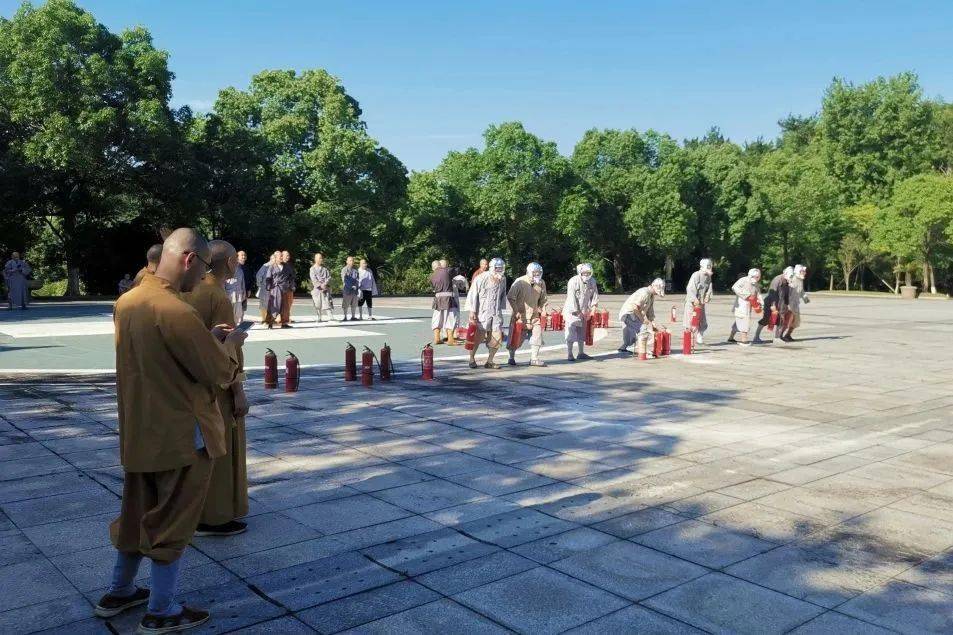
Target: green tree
<point>797,199</point>
<point>917,226</point>
<point>333,186</point>
<point>514,187</point>
<point>592,212</point>
<point>875,135</point>
<point>658,218</point>
<point>91,126</point>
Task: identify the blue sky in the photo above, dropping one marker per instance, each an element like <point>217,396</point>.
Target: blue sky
<point>430,76</point>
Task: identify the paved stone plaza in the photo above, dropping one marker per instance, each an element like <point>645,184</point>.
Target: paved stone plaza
<point>802,488</point>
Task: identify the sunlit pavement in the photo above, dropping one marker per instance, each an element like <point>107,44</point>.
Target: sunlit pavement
<point>803,487</point>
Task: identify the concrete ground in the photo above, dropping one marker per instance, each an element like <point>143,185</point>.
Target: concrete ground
<point>803,488</point>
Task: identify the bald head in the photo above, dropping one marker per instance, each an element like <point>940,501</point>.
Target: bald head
<point>224,258</point>
<point>153,255</point>
<point>185,258</point>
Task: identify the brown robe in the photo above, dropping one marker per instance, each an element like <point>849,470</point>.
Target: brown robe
<point>228,493</point>
<point>167,366</point>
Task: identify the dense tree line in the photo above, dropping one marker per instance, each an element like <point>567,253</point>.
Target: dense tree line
<point>94,163</point>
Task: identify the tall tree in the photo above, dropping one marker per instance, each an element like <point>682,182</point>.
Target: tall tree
<point>917,225</point>
<point>875,135</point>
<point>592,213</point>
<point>797,199</point>
<point>90,121</point>
<point>333,185</point>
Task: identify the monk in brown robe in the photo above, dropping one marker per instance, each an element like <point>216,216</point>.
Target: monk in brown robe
<point>168,365</point>
<point>152,261</point>
<point>228,493</point>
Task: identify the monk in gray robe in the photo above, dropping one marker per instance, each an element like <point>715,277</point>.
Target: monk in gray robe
<point>697,296</point>
<point>269,295</point>
<point>486,299</point>
<point>527,298</point>
<point>582,297</point>
<point>747,292</point>
<point>15,274</point>
<point>321,288</point>
<point>446,306</point>
<point>796,296</point>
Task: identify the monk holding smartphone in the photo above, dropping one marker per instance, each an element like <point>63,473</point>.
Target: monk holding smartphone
<point>168,366</point>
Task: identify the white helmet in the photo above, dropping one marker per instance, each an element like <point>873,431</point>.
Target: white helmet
<point>658,285</point>
<point>584,270</point>
<point>800,271</point>
<point>788,273</point>
<point>534,270</point>
<point>705,265</point>
<point>754,273</point>
<point>497,265</point>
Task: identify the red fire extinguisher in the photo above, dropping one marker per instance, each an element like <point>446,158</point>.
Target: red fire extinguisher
<point>773,320</point>
<point>387,366</point>
<point>658,345</point>
<point>516,337</point>
<point>271,369</point>
<point>544,321</point>
<point>590,325</point>
<point>755,302</point>
<point>350,362</point>
<point>470,343</point>
<point>674,314</point>
<point>688,342</point>
<point>367,367</point>
<point>426,362</point>
<point>605,318</point>
<point>666,343</point>
<point>292,373</point>
<point>696,317</point>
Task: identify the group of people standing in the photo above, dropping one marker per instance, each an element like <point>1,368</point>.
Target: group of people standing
<point>358,288</point>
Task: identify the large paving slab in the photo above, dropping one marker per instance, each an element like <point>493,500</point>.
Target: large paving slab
<point>803,487</point>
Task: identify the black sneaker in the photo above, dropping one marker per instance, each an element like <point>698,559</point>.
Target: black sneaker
<point>110,605</point>
<point>231,528</point>
<point>511,362</point>
<point>583,356</point>
<point>473,364</point>
<point>188,618</point>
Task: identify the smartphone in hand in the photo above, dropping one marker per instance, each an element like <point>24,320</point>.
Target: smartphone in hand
<point>244,326</point>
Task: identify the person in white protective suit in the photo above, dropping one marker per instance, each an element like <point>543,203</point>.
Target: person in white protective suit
<point>486,300</point>
<point>697,296</point>
<point>638,316</point>
<point>582,297</point>
<point>527,298</point>
<point>747,292</point>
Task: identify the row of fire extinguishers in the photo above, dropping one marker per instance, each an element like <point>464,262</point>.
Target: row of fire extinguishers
<point>292,371</point>
<point>385,364</point>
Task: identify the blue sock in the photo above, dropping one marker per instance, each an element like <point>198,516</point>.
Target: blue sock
<point>124,574</point>
<point>165,577</point>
